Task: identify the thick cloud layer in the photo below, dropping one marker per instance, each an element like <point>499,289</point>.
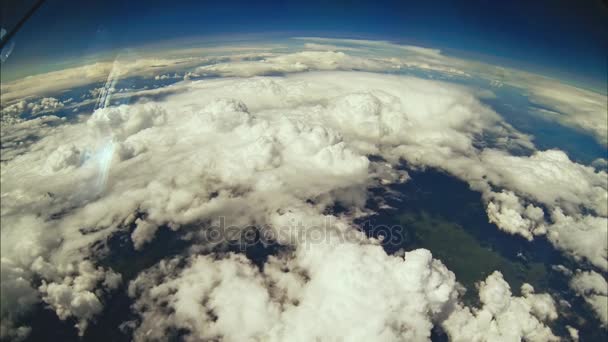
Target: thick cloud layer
<point>346,291</point>
<point>278,152</point>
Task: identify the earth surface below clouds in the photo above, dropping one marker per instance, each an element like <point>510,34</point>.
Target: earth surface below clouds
<point>302,189</point>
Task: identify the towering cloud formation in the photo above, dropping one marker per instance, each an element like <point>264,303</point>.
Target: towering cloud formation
<point>279,152</point>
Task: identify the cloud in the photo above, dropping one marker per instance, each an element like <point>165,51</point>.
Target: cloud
<point>11,114</point>
<point>295,62</point>
<point>327,47</point>
<point>276,151</point>
<point>17,296</point>
<point>575,197</point>
<point>122,66</point>
<point>503,317</point>
<point>52,82</point>
<point>46,104</point>
<point>300,297</point>
<point>371,44</point>
<point>550,177</point>
<point>71,289</point>
<point>506,210</point>
<point>574,107</point>
<point>538,194</point>
<point>594,289</point>
<point>571,106</point>
<point>64,157</point>
<point>583,237</point>
<point>600,164</point>
<point>78,293</point>
<point>278,145</point>
<point>124,121</point>
<point>19,110</point>
<point>395,56</point>
<point>573,333</point>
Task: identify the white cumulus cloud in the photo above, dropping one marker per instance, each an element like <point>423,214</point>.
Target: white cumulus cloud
<point>276,151</point>
<point>327,293</point>
<point>594,288</point>
<point>503,317</point>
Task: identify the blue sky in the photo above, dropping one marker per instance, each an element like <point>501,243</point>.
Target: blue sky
<point>568,39</point>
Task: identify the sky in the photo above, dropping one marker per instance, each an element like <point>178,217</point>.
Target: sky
<point>566,38</point>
